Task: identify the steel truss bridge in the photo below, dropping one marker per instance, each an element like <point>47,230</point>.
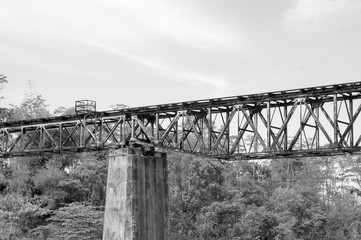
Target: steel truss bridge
<point>315,121</point>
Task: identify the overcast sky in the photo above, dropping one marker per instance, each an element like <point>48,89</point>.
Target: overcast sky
<point>142,52</point>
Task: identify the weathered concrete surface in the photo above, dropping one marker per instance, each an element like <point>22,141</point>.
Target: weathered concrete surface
<point>137,196</point>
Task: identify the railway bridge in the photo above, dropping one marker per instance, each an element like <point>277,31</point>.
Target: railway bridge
<point>314,121</point>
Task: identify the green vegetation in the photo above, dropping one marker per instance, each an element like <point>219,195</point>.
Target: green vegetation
<point>279,199</point>
<point>63,196</point>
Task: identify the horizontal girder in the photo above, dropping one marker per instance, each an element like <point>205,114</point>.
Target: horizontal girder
<point>314,121</point>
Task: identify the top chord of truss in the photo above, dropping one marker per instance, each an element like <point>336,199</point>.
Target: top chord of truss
<point>319,121</point>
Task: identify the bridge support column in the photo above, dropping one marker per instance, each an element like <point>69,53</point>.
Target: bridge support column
<point>137,196</point>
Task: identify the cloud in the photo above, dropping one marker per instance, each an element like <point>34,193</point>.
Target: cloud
<point>183,23</point>
<point>124,21</point>
<point>310,16</point>
<point>133,29</point>
<point>169,71</point>
<point>188,77</point>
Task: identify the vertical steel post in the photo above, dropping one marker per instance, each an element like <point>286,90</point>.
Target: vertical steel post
<point>152,129</point>
<point>156,138</point>
<point>181,145</point>
<point>6,141</point>
<point>351,119</point>
<point>335,120</point>
<point>81,133</point>
<point>317,135</point>
<point>268,126</point>
<point>22,139</point>
<point>301,124</point>
<point>100,137</point>
<point>60,136</point>
<point>122,132</point>
<point>255,120</point>
<point>238,129</point>
<point>132,137</point>
<point>227,132</point>
<point>176,135</point>
<point>41,137</point>
<point>210,129</point>
<point>285,135</point>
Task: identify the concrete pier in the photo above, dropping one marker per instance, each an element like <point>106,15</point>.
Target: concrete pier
<point>137,196</point>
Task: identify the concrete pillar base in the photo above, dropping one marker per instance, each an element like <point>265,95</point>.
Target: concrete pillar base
<point>137,196</point>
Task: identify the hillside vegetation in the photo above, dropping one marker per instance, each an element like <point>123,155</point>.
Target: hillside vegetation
<point>63,196</point>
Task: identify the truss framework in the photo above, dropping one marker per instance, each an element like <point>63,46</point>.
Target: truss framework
<point>312,121</point>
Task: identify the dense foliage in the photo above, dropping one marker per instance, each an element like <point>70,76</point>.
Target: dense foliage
<point>63,196</point>
<point>288,199</point>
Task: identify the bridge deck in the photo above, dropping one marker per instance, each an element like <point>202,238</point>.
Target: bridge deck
<point>313,121</point>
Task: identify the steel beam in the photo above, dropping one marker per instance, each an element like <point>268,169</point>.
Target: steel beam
<point>322,119</point>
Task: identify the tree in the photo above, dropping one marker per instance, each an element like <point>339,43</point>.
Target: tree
<point>3,80</point>
<point>194,183</point>
<point>71,178</point>
<point>299,212</point>
<point>31,107</point>
<point>343,221</point>
<point>62,111</point>
<point>4,112</point>
<point>76,221</point>
<point>46,185</point>
<point>243,215</point>
<point>20,178</point>
<point>91,170</point>
<point>217,220</point>
<point>256,223</point>
<point>18,216</point>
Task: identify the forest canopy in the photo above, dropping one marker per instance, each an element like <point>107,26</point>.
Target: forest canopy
<point>63,196</point>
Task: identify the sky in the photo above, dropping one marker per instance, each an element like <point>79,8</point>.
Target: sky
<point>141,52</point>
